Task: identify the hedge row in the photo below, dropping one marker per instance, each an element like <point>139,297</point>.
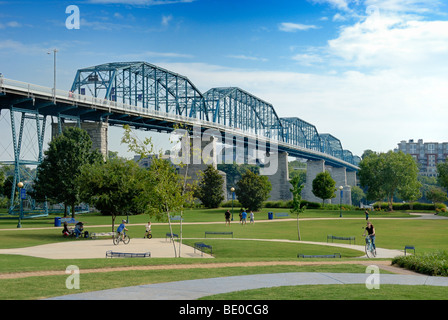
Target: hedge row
<point>433,264</point>
<point>409,206</point>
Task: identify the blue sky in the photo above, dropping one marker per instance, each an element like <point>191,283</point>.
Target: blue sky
<point>370,72</point>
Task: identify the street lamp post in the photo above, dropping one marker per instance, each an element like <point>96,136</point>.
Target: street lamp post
<point>54,74</point>
<point>340,202</point>
<point>233,198</point>
<point>20,186</point>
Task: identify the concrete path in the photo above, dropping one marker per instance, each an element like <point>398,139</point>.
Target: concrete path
<point>194,289</point>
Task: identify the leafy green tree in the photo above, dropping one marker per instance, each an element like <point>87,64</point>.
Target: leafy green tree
<point>388,174</point>
<point>167,192</point>
<point>210,189</point>
<point>57,174</point>
<point>436,195</point>
<point>296,208</point>
<point>252,189</point>
<point>113,187</point>
<point>442,174</point>
<point>357,195</point>
<point>324,186</point>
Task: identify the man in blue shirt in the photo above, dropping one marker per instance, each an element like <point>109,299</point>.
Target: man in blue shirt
<point>243,217</point>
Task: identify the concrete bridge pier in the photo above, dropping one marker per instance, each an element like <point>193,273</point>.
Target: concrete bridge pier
<point>279,178</point>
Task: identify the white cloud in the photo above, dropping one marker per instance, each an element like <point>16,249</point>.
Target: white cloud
<point>166,20</point>
<point>140,2</point>
<point>293,27</point>
<point>244,57</point>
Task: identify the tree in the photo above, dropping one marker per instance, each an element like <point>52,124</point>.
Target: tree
<point>210,190</point>
<point>296,208</point>
<point>114,187</point>
<point>357,195</point>
<point>167,192</point>
<point>436,195</point>
<point>442,174</point>
<point>57,174</point>
<point>324,186</point>
<point>252,189</point>
<point>388,174</point>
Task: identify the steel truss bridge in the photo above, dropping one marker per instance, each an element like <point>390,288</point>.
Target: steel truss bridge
<point>149,97</point>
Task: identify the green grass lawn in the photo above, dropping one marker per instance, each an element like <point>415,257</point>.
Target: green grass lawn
<point>392,233</point>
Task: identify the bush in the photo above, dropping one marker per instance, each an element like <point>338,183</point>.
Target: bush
<point>409,206</point>
<point>433,264</point>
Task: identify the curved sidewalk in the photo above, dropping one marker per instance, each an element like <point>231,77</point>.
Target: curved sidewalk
<point>195,289</point>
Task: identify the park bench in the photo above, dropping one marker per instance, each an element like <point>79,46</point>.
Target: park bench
<point>217,232</point>
<point>409,248</point>
<point>176,218</point>
<point>335,255</point>
<point>202,246</point>
<point>281,214</point>
<point>168,235</point>
<point>95,235</point>
<point>69,220</point>
<point>330,237</point>
<point>113,254</point>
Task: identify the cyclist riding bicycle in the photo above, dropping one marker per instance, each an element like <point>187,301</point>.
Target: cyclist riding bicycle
<point>122,228</point>
<point>370,229</point>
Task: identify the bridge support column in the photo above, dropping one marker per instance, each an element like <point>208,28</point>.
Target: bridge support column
<point>339,175</point>
<point>313,168</point>
<point>197,157</point>
<point>280,179</point>
<point>98,132</point>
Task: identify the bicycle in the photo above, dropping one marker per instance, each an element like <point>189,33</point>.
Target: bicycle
<point>117,238</point>
<point>370,250</point>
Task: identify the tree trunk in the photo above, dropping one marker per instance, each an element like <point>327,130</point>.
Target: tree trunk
<point>172,237</point>
<point>298,229</point>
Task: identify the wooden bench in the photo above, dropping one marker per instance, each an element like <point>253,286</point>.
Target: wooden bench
<point>113,254</point>
<point>95,235</point>
<point>201,246</point>
<point>335,255</point>
<point>409,248</point>
<point>330,237</point>
<point>217,232</point>
<point>281,214</point>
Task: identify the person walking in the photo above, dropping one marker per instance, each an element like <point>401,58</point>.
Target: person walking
<point>367,214</point>
<point>243,217</point>
<point>227,215</point>
<point>251,217</point>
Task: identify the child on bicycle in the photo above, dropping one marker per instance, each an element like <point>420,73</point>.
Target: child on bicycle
<point>148,230</point>
<point>122,228</point>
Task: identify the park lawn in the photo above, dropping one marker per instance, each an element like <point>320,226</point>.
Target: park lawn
<point>51,286</point>
<point>195,215</point>
<point>337,292</point>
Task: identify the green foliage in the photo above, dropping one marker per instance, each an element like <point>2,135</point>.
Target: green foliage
<point>210,189</point>
<point>430,263</point>
<point>442,174</point>
<point>114,187</point>
<point>324,186</point>
<point>388,174</point>
<point>252,189</point>
<point>57,174</point>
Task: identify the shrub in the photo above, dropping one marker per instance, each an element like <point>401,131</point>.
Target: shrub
<point>433,263</point>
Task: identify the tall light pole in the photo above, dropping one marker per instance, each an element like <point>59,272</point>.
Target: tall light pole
<point>21,196</point>
<point>54,74</point>
<point>233,198</point>
<point>340,202</point>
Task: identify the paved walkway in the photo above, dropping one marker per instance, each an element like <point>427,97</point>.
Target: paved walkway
<point>194,289</point>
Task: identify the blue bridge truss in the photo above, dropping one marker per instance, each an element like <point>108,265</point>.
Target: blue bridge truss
<point>149,97</point>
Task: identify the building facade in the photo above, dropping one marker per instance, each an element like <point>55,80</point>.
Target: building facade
<point>427,154</point>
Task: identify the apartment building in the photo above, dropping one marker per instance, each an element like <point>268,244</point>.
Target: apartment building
<point>427,154</point>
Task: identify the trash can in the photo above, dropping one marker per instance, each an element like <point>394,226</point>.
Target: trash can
<point>270,215</point>
<point>57,221</point>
